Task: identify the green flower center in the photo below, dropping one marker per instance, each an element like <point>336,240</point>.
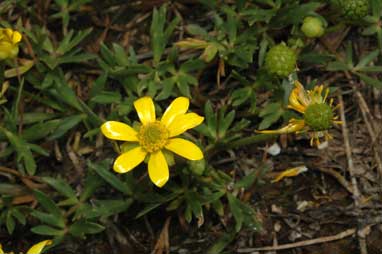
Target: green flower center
<point>153,136</point>
<point>318,116</point>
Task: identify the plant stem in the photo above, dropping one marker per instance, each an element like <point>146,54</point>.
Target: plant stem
<point>258,138</point>
<point>250,140</point>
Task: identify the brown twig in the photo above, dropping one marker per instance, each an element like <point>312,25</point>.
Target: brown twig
<point>368,119</point>
<point>348,150</point>
<point>323,239</point>
<point>338,177</point>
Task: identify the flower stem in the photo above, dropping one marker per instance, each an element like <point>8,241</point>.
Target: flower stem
<point>258,138</point>
<point>250,140</point>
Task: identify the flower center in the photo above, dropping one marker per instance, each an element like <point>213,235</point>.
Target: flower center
<point>153,136</point>
<point>318,116</point>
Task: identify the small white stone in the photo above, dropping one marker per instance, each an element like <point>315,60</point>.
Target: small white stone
<point>274,149</point>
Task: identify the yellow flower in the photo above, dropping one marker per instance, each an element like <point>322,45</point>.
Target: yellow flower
<point>318,114</point>
<point>35,249</point>
<point>154,136</point>
<point>9,40</point>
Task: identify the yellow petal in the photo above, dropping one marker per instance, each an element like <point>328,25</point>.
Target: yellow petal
<point>158,169</point>
<point>118,131</point>
<point>145,109</point>
<point>8,32</point>
<point>181,123</point>
<point>129,160</point>
<point>293,126</point>
<point>16,37</point>
<point>37,248</point>
<point>178,107</point>
<point>294,102</point>
<point>7,50</point>
<point>1,249</point>
<point>290,173</point>
<point>298,98</point>
<point>184,148</point>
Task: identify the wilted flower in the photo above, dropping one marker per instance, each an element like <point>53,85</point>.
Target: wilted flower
<point>318,114</point>
<point>9,41</point>
<point>35,249</point>
<point>291,172</point>
<point>153,137</point>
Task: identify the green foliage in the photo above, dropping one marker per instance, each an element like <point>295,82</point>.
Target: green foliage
<point>84,62</point>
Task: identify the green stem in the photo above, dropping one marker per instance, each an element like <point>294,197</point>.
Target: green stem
<point>259,138</point>
<point>250,140</point>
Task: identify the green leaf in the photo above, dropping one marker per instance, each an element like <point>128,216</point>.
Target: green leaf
<point>371,69</point>
<point>47,230</point>
<point>337,66</point>
<point>98,85</point>
<point>209,53</point>
<point>10,223</point>
<point>193,201</point>
<point>92,183</point>
<point>18,215</point>
<point>61,186</point>
<point>367,59</point>
<point>106,208</point>
<point>293,14</point>
<point>23,151</point>
<point>48,219</point>
<point>225,122</point>
<point>235,208</point>
<point>271,113</point>
<point>211,120</point>
<point>221,243</point>
<point>195,29</point>
<point>69,43</point>
<point>241,95</point>
<point>34,117</point>
<point>160,35</point>
<point>246,181</point>
<point>147,209</point>
<point>41,130</point>
<point>110,177</point>
<point>64,93</point>
<point>66,124</point>
<point>83,227</point>
<point>48,204</point>
<point>107,97</point>
<point>254,15</point>
<point>370,81</point>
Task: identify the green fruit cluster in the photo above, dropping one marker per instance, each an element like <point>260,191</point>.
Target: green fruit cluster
<point>354,9</point>
<point>281,60</point>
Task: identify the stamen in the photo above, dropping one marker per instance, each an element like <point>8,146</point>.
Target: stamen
<point>153,136</point>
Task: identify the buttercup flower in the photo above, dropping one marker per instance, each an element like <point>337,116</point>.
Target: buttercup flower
<point>9,41</point>
<point>35,249</point>
<point>318,114</point>
<point>154,136</point>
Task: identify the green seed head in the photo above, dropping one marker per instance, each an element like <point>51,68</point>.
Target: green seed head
<point>313,27</point>
<point>354,10</point>
<point>281,60</point>
<point>318,117</point>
